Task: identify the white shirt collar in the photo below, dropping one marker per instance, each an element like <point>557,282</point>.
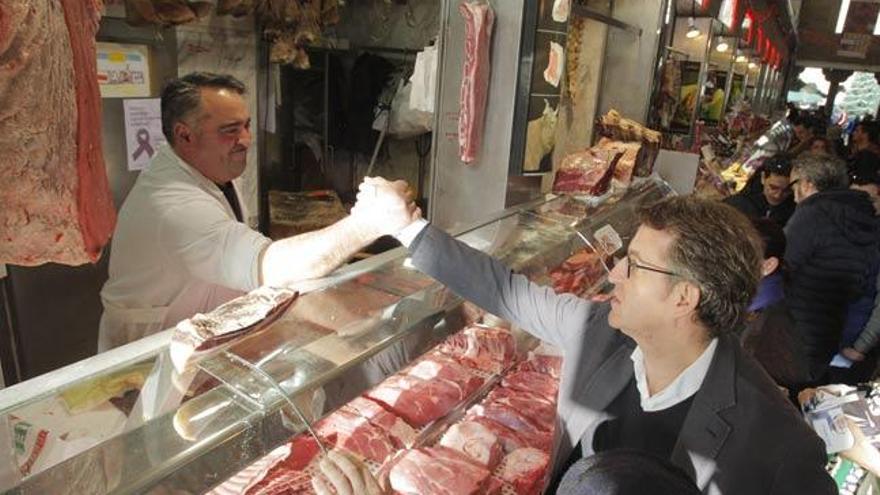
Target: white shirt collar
<point>684,386</point>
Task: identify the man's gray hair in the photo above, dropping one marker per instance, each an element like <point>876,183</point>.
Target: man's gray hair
<point>181,97</point>
<point>824,172</point>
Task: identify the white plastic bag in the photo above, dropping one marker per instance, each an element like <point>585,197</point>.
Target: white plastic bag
<point>424,80</point>
<point>401,120</point>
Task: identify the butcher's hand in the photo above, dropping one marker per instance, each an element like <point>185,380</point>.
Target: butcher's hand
<point>346,475</point>
<point>385,207</point>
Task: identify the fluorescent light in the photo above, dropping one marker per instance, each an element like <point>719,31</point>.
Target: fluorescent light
<point>722,47</point>
<point>693,31</point>
<point>841,16</point>
<point>877,25</point>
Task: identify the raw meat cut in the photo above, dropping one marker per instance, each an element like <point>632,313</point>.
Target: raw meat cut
<point>631,153</point>
<point>613,126</point>
<point>354,433</point>
<point>200,334</point>
<point>436,365</point>
<point>57,205</point>
<point>517,420</point>
<point>555,64</point>
<point>586,172</point>
<point>485,348</point>
<point>479,19</point>
<point>437,471</point>
<point>401,434</point>
<point>542,363</point>
<point>510,440</point>
<point>415,400</point>
<point>578,274</point>
<point>532,382</point>
<point>248,477</point>
<point>526,470</point>
<point>284,482</point>
<point>475,440</point>
<point>540,411</point>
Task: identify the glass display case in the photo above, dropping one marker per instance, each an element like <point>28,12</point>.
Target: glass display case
<point>127,422</point>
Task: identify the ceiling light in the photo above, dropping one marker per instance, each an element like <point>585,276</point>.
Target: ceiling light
<point>877,25</point>
<point>841,16</point>
<point>693,32</point>
<point>722,47</point>
<point>740,59</point>
<point>753,65</point>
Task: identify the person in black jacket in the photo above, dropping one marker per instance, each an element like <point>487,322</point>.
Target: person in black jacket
<point>773,199</point>
<point>832,245</point>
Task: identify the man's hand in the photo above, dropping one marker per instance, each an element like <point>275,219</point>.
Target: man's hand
<point>347,476</point>
<point>384,207</point>
<point>852,354</point>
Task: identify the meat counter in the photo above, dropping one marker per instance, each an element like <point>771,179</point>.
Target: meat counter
<point>127,422</point>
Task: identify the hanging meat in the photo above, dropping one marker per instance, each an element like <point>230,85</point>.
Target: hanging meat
<point>479,19</point>
<point>573,57</point>
<point>56,201</point>
<point>164,12</point>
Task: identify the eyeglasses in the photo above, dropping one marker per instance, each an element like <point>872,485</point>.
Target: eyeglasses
<point>630,264</point>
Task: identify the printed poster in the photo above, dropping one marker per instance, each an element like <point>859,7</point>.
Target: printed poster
<point>123,70</point>
<point>143,131</point>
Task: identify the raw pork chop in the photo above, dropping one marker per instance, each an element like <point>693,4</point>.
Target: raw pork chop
<point>354,433</point>
<point>540,411</point>
<point>55,197</point>
<point>415,400</point>
<point>401,434</point>
<point>438,471</point>
<point>526,470</point>
<point>475,440</point>
<point>478,20</point>
<point>485,348</point>
<point>545,364</point>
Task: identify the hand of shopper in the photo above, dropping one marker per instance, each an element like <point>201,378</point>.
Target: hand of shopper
<point>346,475</point>
<point>852,354</point>
<point>385,207</point>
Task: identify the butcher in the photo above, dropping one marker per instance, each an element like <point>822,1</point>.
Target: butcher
<point>659,367</point>
<point>181,245</point>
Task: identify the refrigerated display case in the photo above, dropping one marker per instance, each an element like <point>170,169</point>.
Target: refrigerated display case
<point>127,422</point>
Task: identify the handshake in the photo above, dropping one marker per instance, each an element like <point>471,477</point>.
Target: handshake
<point>384,207</point>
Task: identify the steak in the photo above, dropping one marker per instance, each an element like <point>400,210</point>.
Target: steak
<point>545,364</point>
<point>533,382</point>
<point>478,19</point>
<point>526,469</point>
<point>436,365</point>
<point>476,441</point>
<point>485,348</point>
<point>352,432</point>
<point>438,471</point>
<point>248,477</point>
<point>401,434</point>
<point>525,428</point>
<point>57,205</point>
<point>415,400</point>
<point>202,333</point>
<point>540,410</point>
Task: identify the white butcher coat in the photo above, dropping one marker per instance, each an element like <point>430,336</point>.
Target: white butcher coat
<point>177,250</point>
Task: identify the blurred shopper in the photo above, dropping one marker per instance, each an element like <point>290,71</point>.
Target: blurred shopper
<point>770,335</point>
<point>832,243</point>
<point>774,198</point>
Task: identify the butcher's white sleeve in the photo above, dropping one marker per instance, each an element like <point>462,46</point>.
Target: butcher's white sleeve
<point>410,232</point>
<point>212,246</point>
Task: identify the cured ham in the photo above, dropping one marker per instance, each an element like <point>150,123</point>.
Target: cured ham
<point>200,334</point>
<point>478,19</point>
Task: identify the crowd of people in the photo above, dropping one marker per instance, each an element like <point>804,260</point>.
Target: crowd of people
<point>816,316</point>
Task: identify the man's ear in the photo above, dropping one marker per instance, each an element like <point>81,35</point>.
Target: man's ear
<point>769,266</point>
<point>687,297</point>
<point>182,133</point>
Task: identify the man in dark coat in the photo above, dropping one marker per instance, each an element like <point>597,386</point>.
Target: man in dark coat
<point>773,199</point>
<point>832,245</point>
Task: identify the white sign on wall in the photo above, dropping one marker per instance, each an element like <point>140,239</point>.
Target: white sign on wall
<point>143,130</point>
<point>123,70</point>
